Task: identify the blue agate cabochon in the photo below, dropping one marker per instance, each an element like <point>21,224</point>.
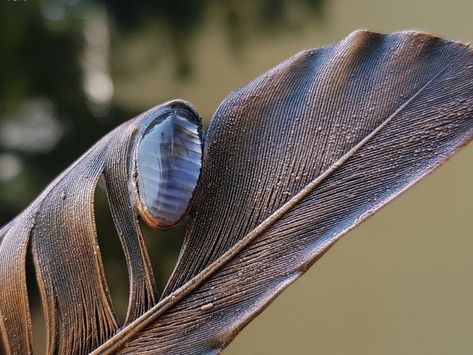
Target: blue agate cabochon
<point>168,163</point>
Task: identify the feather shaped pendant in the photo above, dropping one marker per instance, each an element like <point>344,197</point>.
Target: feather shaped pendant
<point>167,165</point>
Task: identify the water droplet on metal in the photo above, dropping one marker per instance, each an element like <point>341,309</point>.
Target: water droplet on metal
<point>207,307</point>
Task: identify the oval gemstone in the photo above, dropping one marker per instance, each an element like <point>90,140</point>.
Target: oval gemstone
<point>168,163</point>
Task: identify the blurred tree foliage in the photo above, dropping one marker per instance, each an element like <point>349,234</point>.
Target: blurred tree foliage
<point>46,117</point>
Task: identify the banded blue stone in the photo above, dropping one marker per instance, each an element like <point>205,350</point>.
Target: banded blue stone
<point>168,164</point>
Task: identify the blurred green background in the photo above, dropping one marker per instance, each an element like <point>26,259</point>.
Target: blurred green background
<point>73,69</point>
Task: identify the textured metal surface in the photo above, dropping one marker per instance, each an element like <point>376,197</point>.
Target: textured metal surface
<point>304,153</point>
<point>59,228</point>
<point>293,160</point>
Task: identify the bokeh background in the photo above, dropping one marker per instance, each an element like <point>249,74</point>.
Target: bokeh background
<point>73,69</point>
